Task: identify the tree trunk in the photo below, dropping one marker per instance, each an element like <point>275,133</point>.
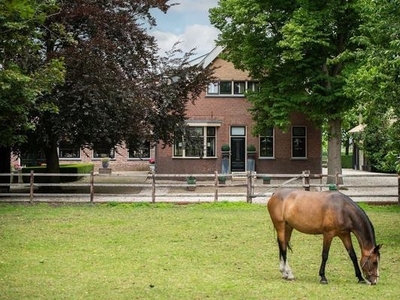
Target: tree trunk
<point>334,150</point>
<point>52,165</point>
<point>5,167</point>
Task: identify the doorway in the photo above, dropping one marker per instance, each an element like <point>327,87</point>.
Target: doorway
<point>238,153</point>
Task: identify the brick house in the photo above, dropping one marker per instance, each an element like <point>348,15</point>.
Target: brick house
<point>220,117</point>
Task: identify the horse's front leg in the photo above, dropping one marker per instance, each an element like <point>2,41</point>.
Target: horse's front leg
<point>350,250</point>
<point>325,253</point>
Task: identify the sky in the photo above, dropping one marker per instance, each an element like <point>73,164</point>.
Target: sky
<point>187,23</point>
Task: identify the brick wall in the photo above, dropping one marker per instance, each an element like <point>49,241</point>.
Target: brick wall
<point>233,111</point>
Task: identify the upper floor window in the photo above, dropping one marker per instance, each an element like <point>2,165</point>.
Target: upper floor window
<point>299,142</point>
<point>231,88</point>
<point>66,150</point>
<point>100,152</point>
<point>202,143</point>
<point>142,152</point>
<point>267,143</point>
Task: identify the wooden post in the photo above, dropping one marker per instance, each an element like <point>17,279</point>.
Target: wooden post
<point>31,182</point>
<point>153,188</point>
<point>249,196</point>
<point>306,180</point>
<point>216,186</point>
<point>398,188</point>
<point>91,186</point>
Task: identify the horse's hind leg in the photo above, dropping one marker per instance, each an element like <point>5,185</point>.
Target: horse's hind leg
<point>327,240</point>
<point>283,243</point>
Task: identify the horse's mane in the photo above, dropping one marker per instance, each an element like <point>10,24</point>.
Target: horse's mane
<point>363,214</point>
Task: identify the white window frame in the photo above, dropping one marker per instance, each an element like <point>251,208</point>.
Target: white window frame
<point>273,144</point>
<point>206,141</point>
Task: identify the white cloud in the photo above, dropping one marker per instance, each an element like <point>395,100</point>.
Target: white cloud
<point>193,5</point>
<point>197,36</point>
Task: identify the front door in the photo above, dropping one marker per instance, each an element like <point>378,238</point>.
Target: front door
<point>238,154</point>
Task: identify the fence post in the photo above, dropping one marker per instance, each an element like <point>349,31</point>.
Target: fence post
<point>249,196</point>
<point>153,187</point>
<point>398,188</point>
<point>91,186</point>
<point>31,182</point>
<point>306,180</point>
<point>216,186</point>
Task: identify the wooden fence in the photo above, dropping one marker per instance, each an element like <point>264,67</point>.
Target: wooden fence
<point>151,187</point>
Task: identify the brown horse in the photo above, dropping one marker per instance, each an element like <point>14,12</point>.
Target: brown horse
<point>330,214</point>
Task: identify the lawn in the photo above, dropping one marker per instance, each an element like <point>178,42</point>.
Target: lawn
<point>201,251</point>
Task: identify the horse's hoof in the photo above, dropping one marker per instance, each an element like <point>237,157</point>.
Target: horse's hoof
<point>323,281</point>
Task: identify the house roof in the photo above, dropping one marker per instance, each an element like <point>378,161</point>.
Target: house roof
<point>358,128</point>
<point>211,56</point>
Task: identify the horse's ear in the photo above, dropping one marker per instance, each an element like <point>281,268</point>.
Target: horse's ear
<point>377,248</point>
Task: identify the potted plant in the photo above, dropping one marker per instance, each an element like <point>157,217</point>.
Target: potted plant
<point>152,164</point>
<point>225,147</point>
<point>266,180</point>
<point>251,149</point>
<point>105,162</point>
<point>225,150</point>
<point>221,179</point>
<point>191,181</point>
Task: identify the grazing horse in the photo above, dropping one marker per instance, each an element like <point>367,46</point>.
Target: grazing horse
<point>328,213</point>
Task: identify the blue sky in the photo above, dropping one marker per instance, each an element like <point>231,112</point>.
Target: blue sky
<point>188,23</point>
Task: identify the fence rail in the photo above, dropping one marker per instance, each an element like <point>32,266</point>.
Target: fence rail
<point>151,187</point>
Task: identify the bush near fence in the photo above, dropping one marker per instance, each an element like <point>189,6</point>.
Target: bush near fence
<point>64,169</point>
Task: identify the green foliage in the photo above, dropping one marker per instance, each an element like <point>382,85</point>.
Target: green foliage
<point>300,51</point>
<point>347,161</point>
<point>251,148</point>
<point>117,89</point>
<point>64,168</point>
<point>191,180</point>
<point>222,179</point>
<point>225,147</point>
<point>23,74</point>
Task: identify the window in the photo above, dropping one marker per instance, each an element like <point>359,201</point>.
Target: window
<point>66,150</point>
<point>299,142</point>
<point>253,86</point>
<point>100,152</point>
<point>142,152</point>
<point>225,87</point>
<point>213,88</point>
<point>267,144</point>
<point>231,88</point>
<point>239,87</point>
<point>202,143</point>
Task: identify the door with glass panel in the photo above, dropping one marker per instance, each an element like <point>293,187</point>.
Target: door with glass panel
<point>238,142</point>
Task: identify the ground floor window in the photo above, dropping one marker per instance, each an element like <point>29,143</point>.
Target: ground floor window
<point>66,150</point>
<point>201,143</point>
<point>101,152</point>
<point>267,144</point>
<point>142,152</point>
<point>299,142</point>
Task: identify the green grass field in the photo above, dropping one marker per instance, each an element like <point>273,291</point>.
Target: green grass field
<point>202,251</point>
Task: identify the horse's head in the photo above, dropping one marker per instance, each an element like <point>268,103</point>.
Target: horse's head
<point>370,265</point>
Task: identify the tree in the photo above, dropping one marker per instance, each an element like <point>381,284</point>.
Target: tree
<point>300,52</point>
<point>116,87</point>
<point>375,82</point>
<point>22,78</point>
